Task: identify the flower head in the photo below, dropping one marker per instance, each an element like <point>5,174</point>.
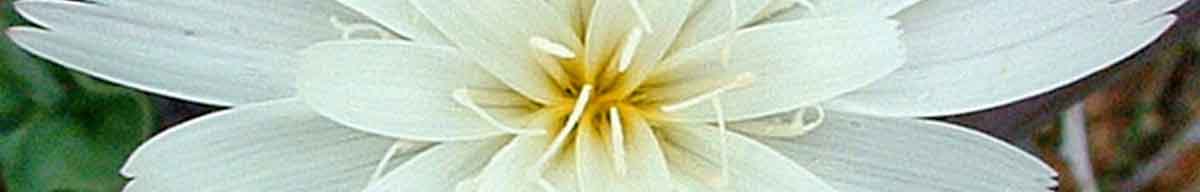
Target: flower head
<point>580,95</point>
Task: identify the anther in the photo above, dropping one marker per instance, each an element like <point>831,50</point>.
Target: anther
<point>463,96</point>
<point>618,141</point>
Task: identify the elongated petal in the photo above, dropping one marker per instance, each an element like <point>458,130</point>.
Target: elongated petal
<point>695,151</point>
<point>713,19</point>
<point>862,153</point>
<point>400,16</point>
<point>611,21</point>
<point>974,55</point>
<point>647,168</point>
<point>885,8</point>
<point>399,89</point>
<point>576,12</point>
<point>783,66</point>
<point>513,167</point>
<point>272,146</point>
<point>511,170</point>
<point>440,168</point>
<point>496,34</point>
<point>222,52</point>
<point>686,181</point>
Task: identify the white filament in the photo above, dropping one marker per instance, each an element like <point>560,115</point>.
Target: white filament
<point>548,53</point>
<point>550,47</point>
<point>641,15</point>
<point>463,96</point>
<point>618,141</point>
<point>742,80</point>
<point>629,49</point>
<point>572,121</point>
<point>723,142</point>
<point>806,4</point>
<point>546,185</point>
<point>468,185</point>
<point>722,127</point>
<point>348,29</point>
<point>805,126</point>
<point>383,162</point>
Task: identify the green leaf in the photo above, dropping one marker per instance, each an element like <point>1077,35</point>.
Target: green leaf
<point>60,130</point>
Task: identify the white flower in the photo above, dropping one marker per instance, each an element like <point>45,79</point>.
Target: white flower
<point>566,95</point>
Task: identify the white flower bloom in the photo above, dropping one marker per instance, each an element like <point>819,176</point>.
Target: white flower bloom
<point>584,95</point>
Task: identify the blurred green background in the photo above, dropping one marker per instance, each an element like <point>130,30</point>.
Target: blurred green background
<point>1135,127</point>
<point>61,130</point>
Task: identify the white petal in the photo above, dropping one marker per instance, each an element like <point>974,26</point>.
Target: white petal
<point>399,89</point>
<point>576,12</point>
<point>647,169</point>
<point>513,167</point>
<point>511,170</point>
<point>694,152</point>
<point>272,146</point>
<point>400,16</point>
<point>712,19</point>
<point>884,8</point>
<point>222,52</point>
<point>973,55</point>
<point>793,64</point>
<point>562,172</point>
<point>440,168</point>
<point>612,20</point>
<point>685,181</point>
<point>862,153</point>
<point>496,33</point>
